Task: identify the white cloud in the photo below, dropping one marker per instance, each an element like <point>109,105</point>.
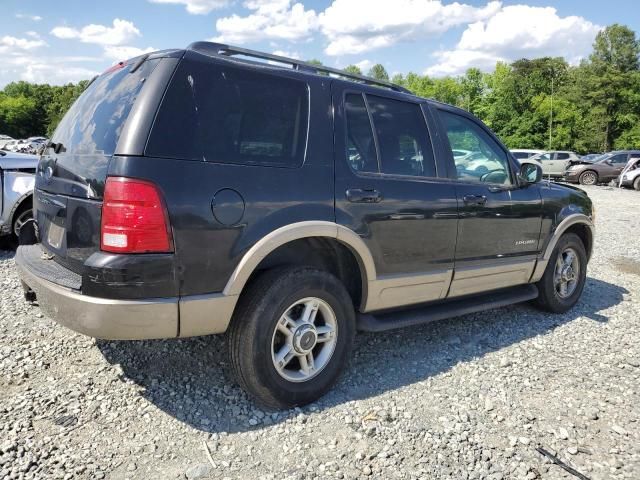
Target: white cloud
<point>197,7</point>
<point>123,52</point>
<point>120,33</point>
<point>356,26</point>
<point>514,32</point>
<point>288,54</point>
<point>269,20</point>
<point>41,69</point>
<point>364,65</point>
<point>22,16</point>
<point>10,44</point>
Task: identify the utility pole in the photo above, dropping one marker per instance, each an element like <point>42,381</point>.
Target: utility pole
<point>551,114</point>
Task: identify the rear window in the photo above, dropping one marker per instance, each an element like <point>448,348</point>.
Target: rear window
<point>224,114</point>
<point>94,122</point>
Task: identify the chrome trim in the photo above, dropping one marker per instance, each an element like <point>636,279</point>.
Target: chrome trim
<point>500,273</point>
<point>101,317</point>
<point>562,227</point>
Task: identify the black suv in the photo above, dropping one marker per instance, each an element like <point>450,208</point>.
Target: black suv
<point>206,190</point>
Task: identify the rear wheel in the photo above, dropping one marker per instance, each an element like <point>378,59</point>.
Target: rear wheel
<point>563,281</point>
<point>291,336</point>
<point>588,178</point>
<point>636,183</point>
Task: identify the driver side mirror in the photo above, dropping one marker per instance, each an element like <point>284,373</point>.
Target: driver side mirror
<point>530,173</point>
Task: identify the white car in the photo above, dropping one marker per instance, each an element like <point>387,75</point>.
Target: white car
<point>555,163</point>
<point>525,153</point>
<point>631,174</point>
<point>17,171</point>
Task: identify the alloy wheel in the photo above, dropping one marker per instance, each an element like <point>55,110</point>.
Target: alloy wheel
<point>304,339</point>
<point>567,273</point>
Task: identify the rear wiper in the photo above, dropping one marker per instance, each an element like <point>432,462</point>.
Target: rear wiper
<point>57,147</point>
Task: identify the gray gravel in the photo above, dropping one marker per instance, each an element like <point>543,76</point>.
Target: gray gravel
<point>467,398</point>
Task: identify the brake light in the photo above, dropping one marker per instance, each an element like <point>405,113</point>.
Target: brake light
<point>134,218</point>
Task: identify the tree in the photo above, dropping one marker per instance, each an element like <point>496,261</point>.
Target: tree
<point>379,72</point>
<point>353,69</point>
<point>617,47</point>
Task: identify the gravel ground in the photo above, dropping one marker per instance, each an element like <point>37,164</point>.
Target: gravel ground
<point>466,398</point>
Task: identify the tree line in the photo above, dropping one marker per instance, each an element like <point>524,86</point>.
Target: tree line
<point>541,103</point>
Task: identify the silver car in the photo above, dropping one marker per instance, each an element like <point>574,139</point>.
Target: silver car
<point>554,163</point>
<point>17,174</point>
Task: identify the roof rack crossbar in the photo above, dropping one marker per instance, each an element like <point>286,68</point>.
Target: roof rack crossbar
<point>212,48</point>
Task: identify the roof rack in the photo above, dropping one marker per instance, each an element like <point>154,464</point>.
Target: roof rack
<point>219,49</point>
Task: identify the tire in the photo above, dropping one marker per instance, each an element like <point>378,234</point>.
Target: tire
<point>636,183</point>
<point>588,177</point>
<point>256,335</point>
<point>23,213</point>
<point>550,296</point>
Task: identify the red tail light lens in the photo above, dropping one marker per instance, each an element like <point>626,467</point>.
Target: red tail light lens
<point>134,218</point>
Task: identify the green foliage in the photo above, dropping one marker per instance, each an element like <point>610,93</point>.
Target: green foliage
<point>378,72</point>
<point>353,69</point>
<point>28,109</point>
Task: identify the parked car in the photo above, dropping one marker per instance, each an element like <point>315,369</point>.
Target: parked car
<point>588,158</point>
<point>523,153</point>
<point>4,139</point>
<point>606,168</point>
<point>631,174</point>
<point>16,179</point>
<point>555,163</point>
<point>241,208</point>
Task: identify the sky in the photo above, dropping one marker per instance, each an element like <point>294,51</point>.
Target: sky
<point>69,40</point>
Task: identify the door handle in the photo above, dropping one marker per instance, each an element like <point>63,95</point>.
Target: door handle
<point>359,195</point>
<point>406,216</point>
<point>474,200</point>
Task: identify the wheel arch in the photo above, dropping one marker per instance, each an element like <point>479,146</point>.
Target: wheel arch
<point>577,223</point>
<point>18,204</point>
<point>297,235</point>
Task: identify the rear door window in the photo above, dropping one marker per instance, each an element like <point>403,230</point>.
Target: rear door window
<point>94,122</point>
<point>361,146</point>
<point>562,156</point>
<point>403,138</point>
<point>224,114</point>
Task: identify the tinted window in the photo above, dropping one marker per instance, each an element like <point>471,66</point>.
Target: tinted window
<point>619,158</point>
<point>361,147</point>
<point>229,115</point>
<point>520,155</point>
<point>94,122</point>
<point>562,156</point>
<point>487,162</point>
<point>403,139</point>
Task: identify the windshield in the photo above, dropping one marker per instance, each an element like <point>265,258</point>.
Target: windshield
<point>94,122</point>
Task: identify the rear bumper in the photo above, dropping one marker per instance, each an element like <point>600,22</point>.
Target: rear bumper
<point>116,319</point>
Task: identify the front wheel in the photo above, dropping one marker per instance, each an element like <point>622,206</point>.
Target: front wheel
<point>563,281</point>
<point>291,336</point>
<point>588,178</point>
<point>636,183</point>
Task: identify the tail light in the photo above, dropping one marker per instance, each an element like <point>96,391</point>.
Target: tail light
<point>134,218</point>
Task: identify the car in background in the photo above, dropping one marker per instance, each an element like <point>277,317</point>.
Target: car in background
<point>606,168</point>
<point>631,174</point>
<point>555,162</point>
<point>4,139</point>
<point>588,158</point>
<point>524,153</point>
<point>17,175</point>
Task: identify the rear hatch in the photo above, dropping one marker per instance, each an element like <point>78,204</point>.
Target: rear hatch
<point>72,172</point>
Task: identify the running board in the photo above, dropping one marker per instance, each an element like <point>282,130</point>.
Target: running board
<point>379,322</point>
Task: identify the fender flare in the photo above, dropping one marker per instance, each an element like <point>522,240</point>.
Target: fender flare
<point>296,231</point>
<point>563,226</point>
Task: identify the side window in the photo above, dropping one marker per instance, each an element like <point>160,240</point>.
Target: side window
<point>562,156</point>
<point>224,114</point>
<point>403,138</point>
<point>487,162</point>
<point>545,157</point>
<point>361,147</point>
<point>619,158</point>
